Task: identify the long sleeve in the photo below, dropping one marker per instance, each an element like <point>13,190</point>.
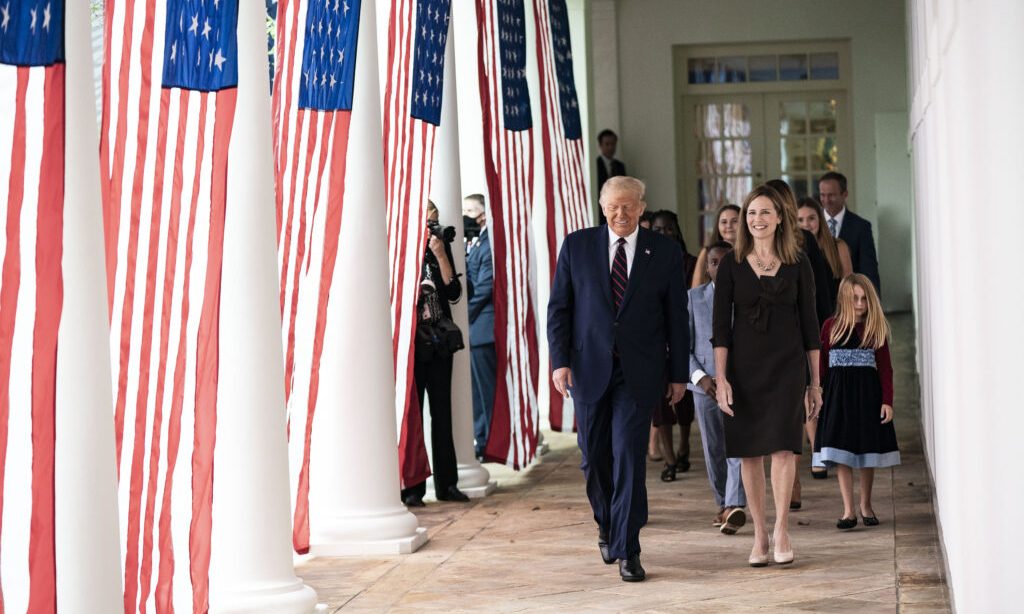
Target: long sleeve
<point>826,345</point>
<point>694,363</point>
<point>560,310</point>
<point>721,321</point>
<point>483,284</point>
<point>883,362</point>
<point>677,324</point>
<point>806,307</point>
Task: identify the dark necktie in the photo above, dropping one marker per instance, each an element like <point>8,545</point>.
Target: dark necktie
<point>619,273</point>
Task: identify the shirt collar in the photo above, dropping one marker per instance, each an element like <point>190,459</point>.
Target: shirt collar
<point>630,238</point>
<point>838,217</point>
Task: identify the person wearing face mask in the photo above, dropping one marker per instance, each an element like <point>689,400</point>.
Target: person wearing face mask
<point>617,303</point>
<point>765,341</point>
<point>726,223</point>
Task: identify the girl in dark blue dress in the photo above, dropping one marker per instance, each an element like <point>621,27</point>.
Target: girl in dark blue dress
<point>855,428</point>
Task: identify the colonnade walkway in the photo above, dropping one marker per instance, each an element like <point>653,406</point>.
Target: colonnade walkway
<point>531,546</point>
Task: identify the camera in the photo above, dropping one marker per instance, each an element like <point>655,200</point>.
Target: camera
<point>445,233</point>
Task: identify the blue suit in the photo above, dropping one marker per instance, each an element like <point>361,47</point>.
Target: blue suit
<point>723,473</point>
<point>483,359</point>
<point>856,231</point>
<point>619,365</point>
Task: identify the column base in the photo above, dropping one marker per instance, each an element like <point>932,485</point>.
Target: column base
<point>291,598</point>
<point>479,492</point>
<point>392,531</point>
<point>475,480</point>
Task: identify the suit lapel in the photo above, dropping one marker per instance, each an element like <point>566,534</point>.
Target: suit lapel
<point>641,258</point>
<point>600,251</point>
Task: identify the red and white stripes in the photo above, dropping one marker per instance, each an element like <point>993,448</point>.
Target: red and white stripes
<point>566,200</point>
<point>164,155</point>
<point>408,166</point>
<point>508,161</point>
<point>31,299</point>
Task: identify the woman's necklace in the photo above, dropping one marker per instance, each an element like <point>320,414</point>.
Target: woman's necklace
<point>764,267</point>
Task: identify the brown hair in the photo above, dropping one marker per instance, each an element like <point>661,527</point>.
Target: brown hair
<point>789,200</point>
<point>786,247</point>
<point>825,240</point>
<point>716,235</point>
<point>876,327</point>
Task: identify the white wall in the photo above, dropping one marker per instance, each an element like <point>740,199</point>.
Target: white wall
<point>648,29</point>
<point>965,133</point>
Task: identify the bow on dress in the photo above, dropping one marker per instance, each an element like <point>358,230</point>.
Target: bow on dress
<point>772,289</point>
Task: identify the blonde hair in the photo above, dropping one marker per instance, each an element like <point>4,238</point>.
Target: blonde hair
<point>623,183</point>
<point>876,327</point>
<point>786,247</point>
<point>828,244</point>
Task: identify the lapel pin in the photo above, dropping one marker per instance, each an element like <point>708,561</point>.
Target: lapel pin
<point>647,252</point>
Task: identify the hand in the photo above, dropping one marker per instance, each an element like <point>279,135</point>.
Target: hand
<point>436,245</point>
<point>675,393</point>
<point>707,385</point>
<point>886,414</point>
<point>813,402</point>
<point>723,394</point>
<point>562,378</point>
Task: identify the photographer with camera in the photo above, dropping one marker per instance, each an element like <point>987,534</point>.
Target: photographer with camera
<point>437,339</point>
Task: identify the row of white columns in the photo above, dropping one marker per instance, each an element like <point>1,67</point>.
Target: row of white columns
<point>355,470</point>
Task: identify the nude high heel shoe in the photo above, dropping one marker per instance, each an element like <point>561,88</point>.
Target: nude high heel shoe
<point>781,558</point>
<point>759,560</point>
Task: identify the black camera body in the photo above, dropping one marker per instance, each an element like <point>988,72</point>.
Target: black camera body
<point>445,233</point>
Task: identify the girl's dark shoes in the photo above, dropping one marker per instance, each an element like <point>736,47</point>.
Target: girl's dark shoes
<point>668,474</point>
<point>847,523</point>
<point>870,521</point>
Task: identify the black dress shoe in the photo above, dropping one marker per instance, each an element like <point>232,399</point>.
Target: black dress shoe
<point>631,570</point>
<point>606,552</point>
<point>413,501</point>
<point>453,494</point>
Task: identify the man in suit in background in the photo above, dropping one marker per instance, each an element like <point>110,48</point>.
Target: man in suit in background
<point>607,165</point>
<point>618,300</point>
<point>849,226</point>
<point>483,359</point>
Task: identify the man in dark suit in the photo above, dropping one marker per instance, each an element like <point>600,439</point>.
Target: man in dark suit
<point>849,226</point>
<point>483,359</point>
<point>618,301</point>
<point>607,165</point>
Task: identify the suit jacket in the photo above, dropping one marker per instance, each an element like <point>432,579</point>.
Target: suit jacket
<point>618,170</point>
<point>480,280</point>
<point>702,354</point>
<point>584,329</point>
<point>856,231</point>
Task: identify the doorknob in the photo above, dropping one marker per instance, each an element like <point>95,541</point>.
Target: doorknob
<point>758,174</point>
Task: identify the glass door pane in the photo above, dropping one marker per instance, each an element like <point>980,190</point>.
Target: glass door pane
<point>810,135</point>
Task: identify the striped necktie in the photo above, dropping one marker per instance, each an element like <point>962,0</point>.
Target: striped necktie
<point>619,273</point>
<point>832,225</point>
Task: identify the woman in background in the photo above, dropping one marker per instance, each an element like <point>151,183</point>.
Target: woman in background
<point>726,223</point>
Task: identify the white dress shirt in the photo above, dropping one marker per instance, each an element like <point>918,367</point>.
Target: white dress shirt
<point>630,247</point>
<point>839,221</point>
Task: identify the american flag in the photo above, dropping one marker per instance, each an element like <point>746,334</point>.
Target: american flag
<point>312,110</point>
<point>508,163</point>
<point>417,34</point>
<point>32,77</point>
<point>168,108</point>
<point>565,181</point>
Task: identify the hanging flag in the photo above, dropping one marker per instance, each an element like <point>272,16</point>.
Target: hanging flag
<point>312,109</point>
<point>31,296</point>
<point>566,200</point>
<point>417,34</point>
<point>169,100</point>
<point>508,165</point>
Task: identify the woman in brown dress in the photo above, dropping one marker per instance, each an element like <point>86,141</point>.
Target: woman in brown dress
<point>766,350</point>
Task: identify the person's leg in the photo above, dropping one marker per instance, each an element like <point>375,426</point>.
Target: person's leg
<point>665,439</point>
<point>845,476</point>
<point>594,436</point>
<point>629,469</point>
<point>712,437</point>
<point>439,391</point>
<point>867,482</point>
<point>684,416</point>
<point>734,494</point>
<point>488,365</point>
<point>479,419</point>
<point>811,428</point>
<point>783,468</point>
<point>754,486</point>
<point>652,445</point>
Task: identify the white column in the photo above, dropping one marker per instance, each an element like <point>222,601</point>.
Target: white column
<point>446,192</point>
<point>88,555</point>
<point>251,560</point>
<point>354,491</point>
